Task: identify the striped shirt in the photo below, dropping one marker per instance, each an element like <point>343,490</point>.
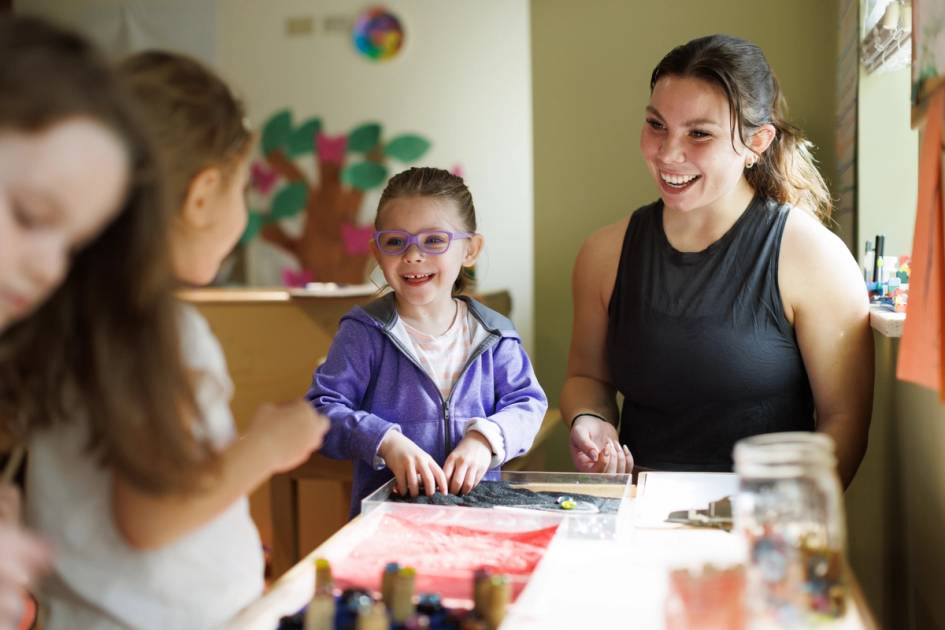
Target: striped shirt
<point>443,357</point>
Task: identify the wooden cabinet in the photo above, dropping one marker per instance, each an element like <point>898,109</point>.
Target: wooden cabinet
<point>272,341</point>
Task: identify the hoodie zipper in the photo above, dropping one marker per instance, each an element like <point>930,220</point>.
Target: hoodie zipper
<point>487,343</point>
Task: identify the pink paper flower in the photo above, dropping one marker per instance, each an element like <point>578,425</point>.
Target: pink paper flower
<point>331,149</point>
<point>262,177</point>
<point>296,278</point>
<point>357,238</point>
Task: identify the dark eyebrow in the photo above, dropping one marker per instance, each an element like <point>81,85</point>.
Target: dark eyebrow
<point>697,122</point>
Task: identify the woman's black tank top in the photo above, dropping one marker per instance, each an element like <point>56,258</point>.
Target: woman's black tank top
<point>699,345</point>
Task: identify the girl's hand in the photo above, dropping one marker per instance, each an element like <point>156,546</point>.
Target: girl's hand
<point>468,462</point>
<point>23,558</point>
<point>595,447</point>
<point>292,430</point>
<point>410,465</point>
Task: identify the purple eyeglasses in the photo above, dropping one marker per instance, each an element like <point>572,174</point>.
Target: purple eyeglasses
<point>433,242</point>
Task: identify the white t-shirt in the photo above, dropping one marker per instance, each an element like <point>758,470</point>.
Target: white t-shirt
<point>444,356</point>
<point>199,581</point>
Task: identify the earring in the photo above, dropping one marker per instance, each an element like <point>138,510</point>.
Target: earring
<point>751,162</point>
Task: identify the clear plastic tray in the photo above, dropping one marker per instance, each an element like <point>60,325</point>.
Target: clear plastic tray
<point>575,524</point>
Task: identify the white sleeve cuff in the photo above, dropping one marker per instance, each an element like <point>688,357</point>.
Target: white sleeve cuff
<point>493,435</point>
<point>379,463</point>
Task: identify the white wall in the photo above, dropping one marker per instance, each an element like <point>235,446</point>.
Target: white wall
<point>125,26</point>
<point>462,80</point>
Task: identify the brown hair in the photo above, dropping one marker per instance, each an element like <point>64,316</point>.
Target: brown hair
<point>787,171</point>
<point>193,116</point>
<point>435,182</point>
<point>105,346</point>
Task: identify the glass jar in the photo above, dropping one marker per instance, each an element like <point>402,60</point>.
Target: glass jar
<point>789,508</point>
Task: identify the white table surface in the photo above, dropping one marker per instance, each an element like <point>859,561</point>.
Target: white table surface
<point>618,583</point>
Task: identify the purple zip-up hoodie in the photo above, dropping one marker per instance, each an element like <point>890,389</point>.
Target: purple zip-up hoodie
<point>370,383</point>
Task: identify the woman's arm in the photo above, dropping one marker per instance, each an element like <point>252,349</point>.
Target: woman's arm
<point>588,388</point>
<point>826,300</point>
<point>281,437</point>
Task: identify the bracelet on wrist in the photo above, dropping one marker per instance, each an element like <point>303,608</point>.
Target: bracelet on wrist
<point>585,413</point>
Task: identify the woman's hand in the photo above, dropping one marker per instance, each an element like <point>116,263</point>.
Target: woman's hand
<point>293,431</point>
<point>468,462</point>
<point>410,465</point>
<point>595,447</point>
<point>23,557</point>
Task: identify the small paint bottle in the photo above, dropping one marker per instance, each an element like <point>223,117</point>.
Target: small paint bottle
<point>372,617</point>
<point>481,591</point>
<point>320,614</point>
<point>402,595</point>
<point>500,594</point>
<point>387,582</point>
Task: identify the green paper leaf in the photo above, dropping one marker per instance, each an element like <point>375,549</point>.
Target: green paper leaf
<point>303,138</point>
<point>407,148</point>
<point>364,138</point>
<point>254,223</point>
<point>276,131</point>
<point>289,201</point>
<point>364,175</point>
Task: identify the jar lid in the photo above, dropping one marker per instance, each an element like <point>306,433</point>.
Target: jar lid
<point>783,455</point>
<point>811,438</point>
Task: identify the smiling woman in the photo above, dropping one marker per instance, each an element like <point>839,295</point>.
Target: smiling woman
<point>710,310</point>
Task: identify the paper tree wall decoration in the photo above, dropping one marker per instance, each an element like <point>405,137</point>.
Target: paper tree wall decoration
<point>332,247</point>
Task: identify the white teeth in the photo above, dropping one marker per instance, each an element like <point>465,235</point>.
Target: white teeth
<point>677,180</point>
<point>416,276</point>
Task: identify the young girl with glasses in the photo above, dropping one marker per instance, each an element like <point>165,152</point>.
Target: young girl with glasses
<point>425,384</point>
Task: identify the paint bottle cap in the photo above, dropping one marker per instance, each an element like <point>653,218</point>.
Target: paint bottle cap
<point>323,578</point>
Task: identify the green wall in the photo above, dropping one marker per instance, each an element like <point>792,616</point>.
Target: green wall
<point>591,63</point>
